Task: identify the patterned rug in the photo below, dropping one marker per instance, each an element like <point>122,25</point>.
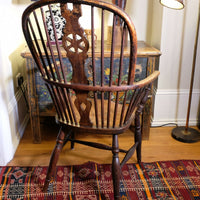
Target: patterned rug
<point>91,181</point>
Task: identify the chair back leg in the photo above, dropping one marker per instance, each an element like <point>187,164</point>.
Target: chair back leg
<point>138,135</point>
<point>116,169</point>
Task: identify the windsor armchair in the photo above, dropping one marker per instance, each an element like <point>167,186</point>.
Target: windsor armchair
<point>88,98</point>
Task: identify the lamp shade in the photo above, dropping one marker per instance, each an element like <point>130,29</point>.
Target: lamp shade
<point>174,4</point>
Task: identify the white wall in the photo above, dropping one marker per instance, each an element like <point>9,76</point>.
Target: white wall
<point>177,44</point>
<point>12,120</point>
<point>138,11</point>
<point>173,32</point>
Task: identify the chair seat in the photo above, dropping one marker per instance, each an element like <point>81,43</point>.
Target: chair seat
<point>100,129</point>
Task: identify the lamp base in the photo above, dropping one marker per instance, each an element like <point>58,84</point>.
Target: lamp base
<point>189,136</point>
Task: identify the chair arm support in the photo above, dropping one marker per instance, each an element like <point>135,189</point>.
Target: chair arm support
<point>147,80</point>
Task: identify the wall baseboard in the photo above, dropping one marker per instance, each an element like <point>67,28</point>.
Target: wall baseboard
<point>179,122</point>
<point>18,119</point>
<point>171,107</point>
<point>23,125</point>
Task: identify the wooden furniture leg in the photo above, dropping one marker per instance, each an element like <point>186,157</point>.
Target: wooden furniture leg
<point>72,137</point>
<point>146,119</point>
<point>148,108</point>
<point>138,135</point>
<point>54,158</point>
<point>35,119</point>
<point>116,170</point>
<point>33,102</point>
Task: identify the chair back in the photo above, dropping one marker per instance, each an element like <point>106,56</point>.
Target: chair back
<point>86,53</point>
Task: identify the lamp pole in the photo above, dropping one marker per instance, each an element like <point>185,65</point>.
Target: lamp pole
<point>185,133</point>
<point>193,69</point>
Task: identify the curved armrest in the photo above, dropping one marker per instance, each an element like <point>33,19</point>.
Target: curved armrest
<point>147,80</point>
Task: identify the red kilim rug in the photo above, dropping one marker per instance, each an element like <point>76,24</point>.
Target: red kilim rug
<point>91,181</point>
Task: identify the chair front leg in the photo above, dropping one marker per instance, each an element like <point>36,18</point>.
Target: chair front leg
<point>54,159</point>
<point>72,143</point>
<point>116,170</point>
<point>138,134</point>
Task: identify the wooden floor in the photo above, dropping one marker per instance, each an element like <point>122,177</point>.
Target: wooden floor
<point>160,146</point>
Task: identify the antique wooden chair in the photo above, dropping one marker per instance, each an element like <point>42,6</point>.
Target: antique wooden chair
<point>92,92</point>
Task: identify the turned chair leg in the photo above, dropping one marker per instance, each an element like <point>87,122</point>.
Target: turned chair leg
<point>72,143</point>
<point>116,169</point>
<point>54,159</point>
<point>138,136</point>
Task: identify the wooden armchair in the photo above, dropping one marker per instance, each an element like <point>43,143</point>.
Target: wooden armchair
<point>88,97</point>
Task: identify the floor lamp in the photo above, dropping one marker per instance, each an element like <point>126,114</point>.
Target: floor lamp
<point>186,134</point>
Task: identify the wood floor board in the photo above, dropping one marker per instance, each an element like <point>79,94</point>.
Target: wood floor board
<point>160,146</point>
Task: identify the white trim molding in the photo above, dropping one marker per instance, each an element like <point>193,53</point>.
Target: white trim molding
<point>17,106</point>
<point>11,132</point>
<point>171,107</point>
